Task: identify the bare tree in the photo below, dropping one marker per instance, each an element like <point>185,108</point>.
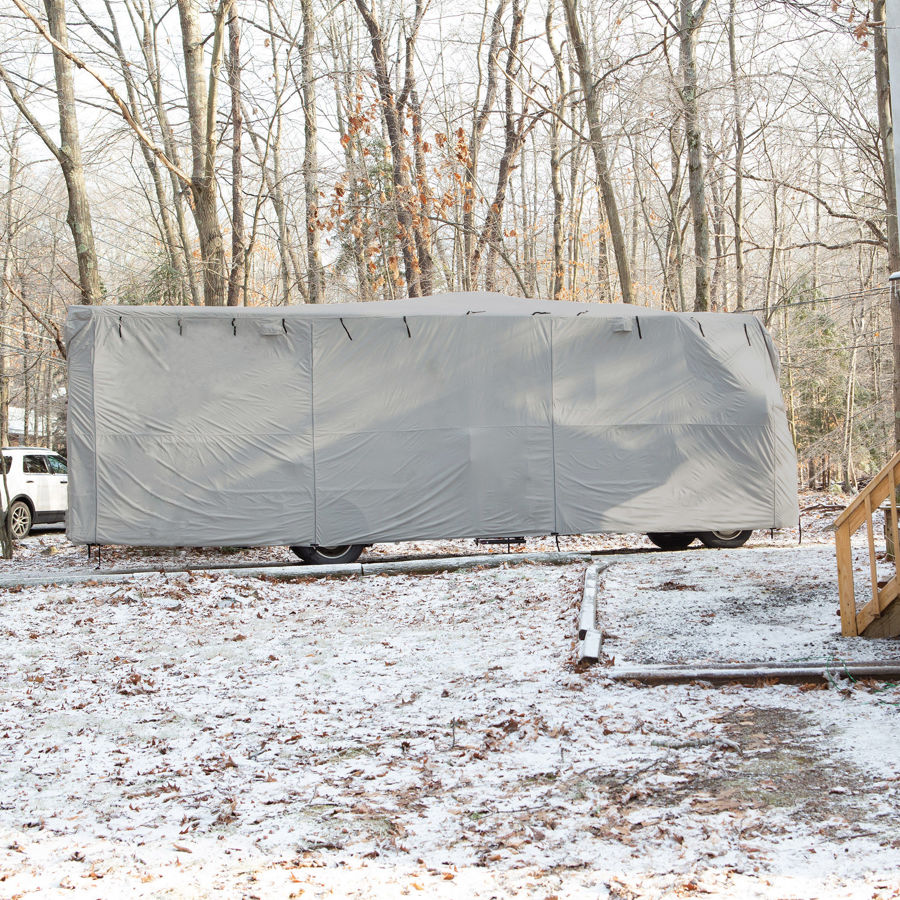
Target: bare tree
<point>738,160</point>
<point>558,275</point>
<point>147,35</point>
<point>236,281</point>
<point>161,214</point>
<point>471,152</point>
<point>886,140</point>
<point>314,270</point>
<point>690,19</point>
<point>67,152</point>
<point>416,250</point>
<point>598,148</point>
<point>201,95</point>
<point>514,129</point>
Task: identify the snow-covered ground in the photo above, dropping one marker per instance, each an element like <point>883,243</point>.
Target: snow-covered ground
<point>732,606</point>
<point>193,735</point>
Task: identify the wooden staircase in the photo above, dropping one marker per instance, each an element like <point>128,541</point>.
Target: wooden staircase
<point>880,617</point>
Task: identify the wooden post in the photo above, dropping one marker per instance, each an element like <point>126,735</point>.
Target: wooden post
<point>845,581</point>
<point>870,534</point>
<point>890,527</point>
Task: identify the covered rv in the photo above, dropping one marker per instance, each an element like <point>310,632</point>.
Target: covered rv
<point>461,415</point>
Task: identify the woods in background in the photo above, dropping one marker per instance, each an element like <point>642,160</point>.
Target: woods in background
<point>682,154</point>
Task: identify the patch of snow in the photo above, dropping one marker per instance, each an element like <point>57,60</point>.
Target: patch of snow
<point>211,735</point>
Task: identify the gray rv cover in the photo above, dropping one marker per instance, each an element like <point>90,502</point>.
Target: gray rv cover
<point>461,415</point>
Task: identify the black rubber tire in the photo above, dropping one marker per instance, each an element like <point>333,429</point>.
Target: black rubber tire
<point>723,539</point>
<point>329,556</point>
<point>672,540</point>
<point>20,519</point>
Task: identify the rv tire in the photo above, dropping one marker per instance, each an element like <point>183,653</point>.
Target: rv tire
<point>729,538</point>
<point>329,556</point>
<point>672,540</point>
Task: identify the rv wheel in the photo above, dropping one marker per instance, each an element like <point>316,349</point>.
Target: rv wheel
<point>671,540</point>
<point>329,556</point>
<point>732,538</point>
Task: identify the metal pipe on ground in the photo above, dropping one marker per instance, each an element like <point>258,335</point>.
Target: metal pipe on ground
<point>301,572</point>
<point>755,673</point>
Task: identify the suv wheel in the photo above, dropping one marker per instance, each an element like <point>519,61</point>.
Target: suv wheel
<point>19,519</point>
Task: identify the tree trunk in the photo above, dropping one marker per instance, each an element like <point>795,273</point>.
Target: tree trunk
<point>201,104</point>
<point>717,283</point>
<point>289,261</point>
<point>361,232</point>
<point>788,364</point>
<point>151,58</point>
<point>276,193</point>
<point>598,147</point>
<point>674,262</point>
<point>9,228</point>
<point>393,112</point>
<point>79,213</point>
<point>577,191</point>
<point>738,165</point>
<point>479,123</point>
<point>773,257</point>
<point>635,208</point>
<point>422,192</point>
<point>26,401</point>
<point>858,326</point>
<point>688,26</point>
<point>164,222</point>
<point>238,240</point>
<point>557,269</point>
<point>9,231</point>
<point>886,135</point>
<point>492,233</point>
<point>315,271</point>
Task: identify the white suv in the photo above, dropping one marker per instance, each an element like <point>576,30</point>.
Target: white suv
<point>37,480</point>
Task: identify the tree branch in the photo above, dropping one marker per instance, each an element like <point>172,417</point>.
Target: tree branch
<point>32,121</point>
<point>513,266</point>
<point>879,234</point>
<point>119,102</point>
<point>49,325</point>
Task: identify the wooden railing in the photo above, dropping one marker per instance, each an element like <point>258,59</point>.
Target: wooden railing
<point>868,620</point>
